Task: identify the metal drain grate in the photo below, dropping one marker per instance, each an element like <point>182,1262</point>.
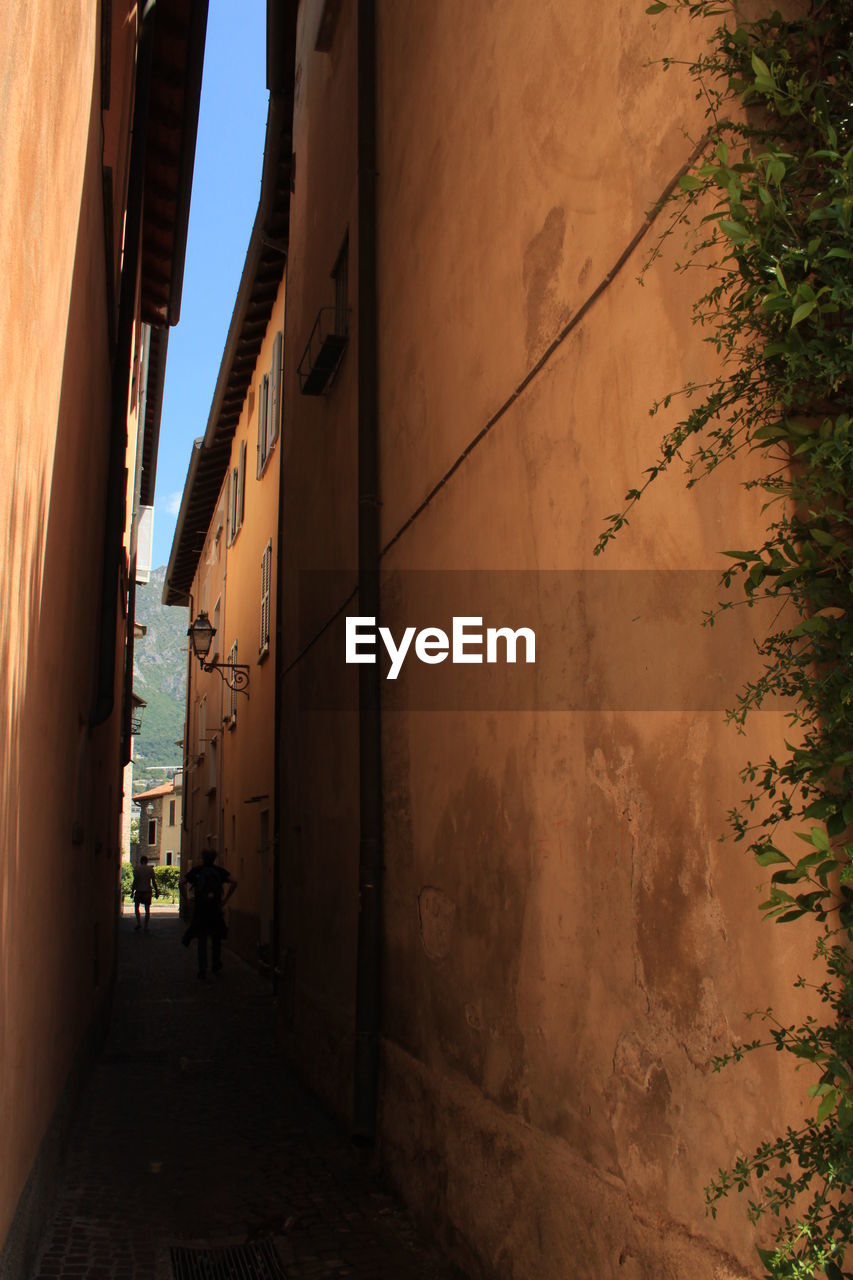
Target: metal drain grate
<point>256,1261</point>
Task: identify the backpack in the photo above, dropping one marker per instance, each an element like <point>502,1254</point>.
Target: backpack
<point>208,890</point>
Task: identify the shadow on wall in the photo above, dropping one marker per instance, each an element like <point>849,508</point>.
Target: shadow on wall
<point>53,892</point>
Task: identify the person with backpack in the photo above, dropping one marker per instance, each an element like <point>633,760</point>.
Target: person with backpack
<point>212,887</point>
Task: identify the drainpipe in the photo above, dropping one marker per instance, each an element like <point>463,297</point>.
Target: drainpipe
<point>368,970</point>
<point>115,512</point>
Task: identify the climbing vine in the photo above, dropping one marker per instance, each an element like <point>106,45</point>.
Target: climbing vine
<point>767,212</point>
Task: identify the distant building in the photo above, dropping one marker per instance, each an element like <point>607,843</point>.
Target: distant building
<point>160,811</point>
<point>138,705</point>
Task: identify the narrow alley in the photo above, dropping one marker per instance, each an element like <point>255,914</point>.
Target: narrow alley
<point>196,1154</point>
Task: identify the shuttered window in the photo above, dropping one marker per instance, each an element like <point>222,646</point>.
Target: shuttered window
<point>275,398</point>
<point>201,726</point>
<point>266,577</point>
<point>232,692</point>
<point>232,507</point>
<point>269,406</point>
<point>263,416</point>
<point>241,486</point>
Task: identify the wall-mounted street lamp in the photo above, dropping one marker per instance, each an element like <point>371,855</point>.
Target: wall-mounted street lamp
<point>235,674</point>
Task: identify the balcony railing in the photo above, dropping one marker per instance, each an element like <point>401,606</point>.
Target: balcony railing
<point>322,357</point>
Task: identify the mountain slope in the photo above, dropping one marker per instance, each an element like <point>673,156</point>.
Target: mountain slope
<point>160,677</point>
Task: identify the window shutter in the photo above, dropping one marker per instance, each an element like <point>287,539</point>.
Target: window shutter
<point>232,692</point>
<point>275,399</point>
<point>268,390</point>
<point>262,430</point>
<point>232,507</point>
<point>241,486</point>
<point>266,574</point>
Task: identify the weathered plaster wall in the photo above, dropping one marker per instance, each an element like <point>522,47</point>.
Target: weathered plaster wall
<point>226,796</point>
<point>202,794</point>
<point>248,748</point>
<point>567,942</point>
<point>59,831</point>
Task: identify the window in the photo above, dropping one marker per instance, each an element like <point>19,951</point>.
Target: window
<point>266,579</point>
<point>232,693</point>
<point>201,727</point>
<point>269,406</point>
<point>152,830</point>
<point>340,276</point>
<point>237,495</point>
<point>216,539</point>
<point>171,813</point>
<point>263,408</point>
<point>211,765</point>
<point>214,647</point>
<point>168,857</point>
<point>275,394</point>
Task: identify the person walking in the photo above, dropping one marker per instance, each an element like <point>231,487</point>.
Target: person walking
<point>143,884</point>
<point>212,886</point>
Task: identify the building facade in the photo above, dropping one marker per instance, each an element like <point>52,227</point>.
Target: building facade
<point>510,942</point>
<point>160,823</point>
<point>231,575</point>
<point>100,109</point>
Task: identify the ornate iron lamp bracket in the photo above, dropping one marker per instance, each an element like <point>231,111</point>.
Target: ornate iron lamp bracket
<point>234,674</point>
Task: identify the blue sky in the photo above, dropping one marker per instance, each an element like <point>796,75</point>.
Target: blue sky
<point>226,187</point>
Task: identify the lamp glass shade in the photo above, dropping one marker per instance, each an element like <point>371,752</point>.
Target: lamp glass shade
<point>201,635</point>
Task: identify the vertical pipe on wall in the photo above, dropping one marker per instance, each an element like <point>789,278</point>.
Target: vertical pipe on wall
<point>368,974</point>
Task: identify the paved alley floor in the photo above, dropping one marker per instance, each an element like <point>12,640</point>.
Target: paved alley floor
<point>192,1133</point>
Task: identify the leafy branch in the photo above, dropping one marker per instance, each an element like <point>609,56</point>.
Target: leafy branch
<point>766,214</point>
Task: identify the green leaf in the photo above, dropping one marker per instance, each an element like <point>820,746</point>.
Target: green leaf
<point>657,8</point>
<point>827,1105</point>
<point>761,68</point>
<point>769,855</point>
<point>688,182</point>
<point>819,839</point>
<point>734,230</point>
<point>803,310</point>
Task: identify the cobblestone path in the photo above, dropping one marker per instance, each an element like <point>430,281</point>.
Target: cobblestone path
<point>192,1133</point>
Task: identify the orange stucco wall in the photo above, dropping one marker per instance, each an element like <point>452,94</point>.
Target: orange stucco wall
<point>60,780</point>
<point>233,798</point>
<point>567,944</point>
